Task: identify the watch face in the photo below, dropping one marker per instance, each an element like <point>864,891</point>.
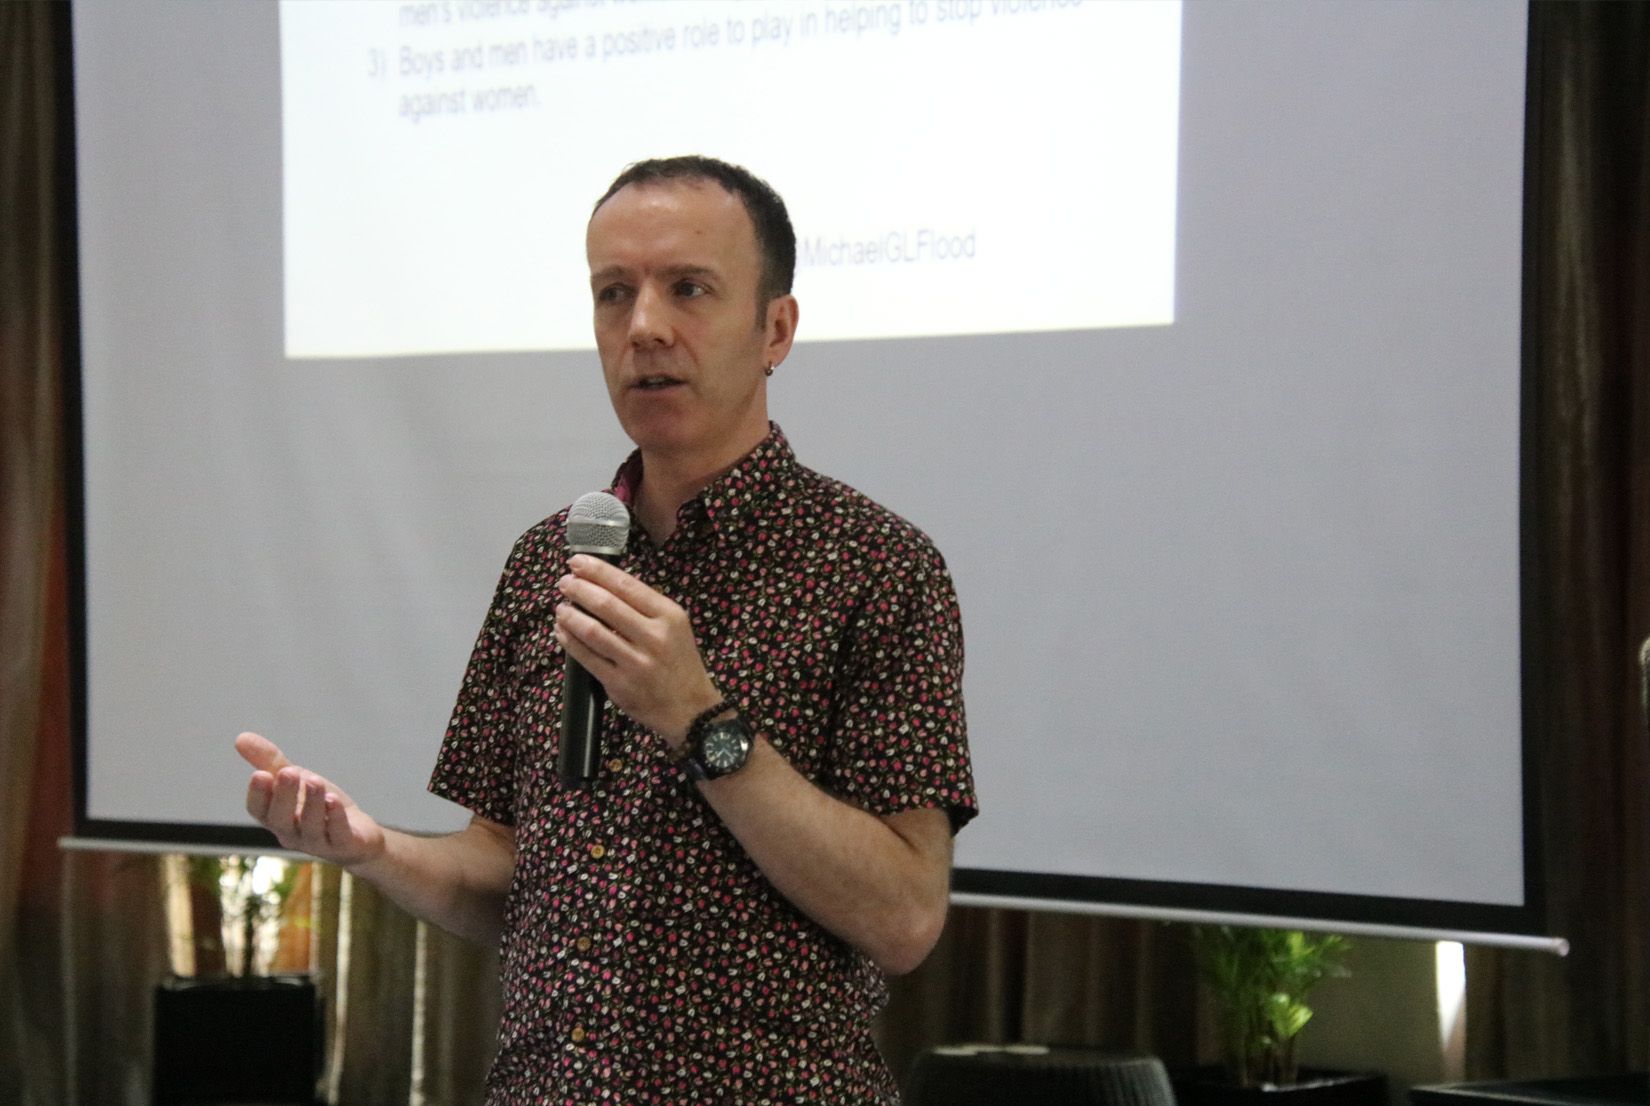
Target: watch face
<point>725,748</point>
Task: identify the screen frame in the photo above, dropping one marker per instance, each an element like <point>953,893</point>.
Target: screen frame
<point>1058,891</point>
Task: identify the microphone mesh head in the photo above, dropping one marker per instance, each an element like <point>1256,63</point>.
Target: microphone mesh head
<point>597,523</point>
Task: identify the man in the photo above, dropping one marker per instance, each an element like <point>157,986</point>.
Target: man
<point>697,927</point>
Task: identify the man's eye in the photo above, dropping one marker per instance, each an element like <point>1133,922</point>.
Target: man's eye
<point>688,289</point>
<point>613,293</point>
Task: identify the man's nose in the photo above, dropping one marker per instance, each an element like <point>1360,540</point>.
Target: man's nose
<point>649,318</point>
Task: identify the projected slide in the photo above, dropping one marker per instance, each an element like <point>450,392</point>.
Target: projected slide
<point>952,166</point>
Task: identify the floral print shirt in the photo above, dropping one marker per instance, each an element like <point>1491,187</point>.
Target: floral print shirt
<point>645,957</point>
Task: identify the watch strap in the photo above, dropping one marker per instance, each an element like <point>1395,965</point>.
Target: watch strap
<point>696,729</point>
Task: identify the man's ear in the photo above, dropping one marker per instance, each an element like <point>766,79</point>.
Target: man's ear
<point>780,327</point>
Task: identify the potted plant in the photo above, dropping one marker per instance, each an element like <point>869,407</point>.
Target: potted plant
<point>237,906</point>
<point>228,1025</point>
<point>1259,980</point>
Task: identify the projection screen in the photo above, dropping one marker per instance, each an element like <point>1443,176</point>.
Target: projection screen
<point>1191,334</point>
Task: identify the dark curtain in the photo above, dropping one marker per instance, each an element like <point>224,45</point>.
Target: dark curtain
<point>1001,976</point>
<point>81,936</point>
<point>1531,1015</point>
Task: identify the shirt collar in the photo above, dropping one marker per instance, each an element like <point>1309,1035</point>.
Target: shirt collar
<point>737,493</point>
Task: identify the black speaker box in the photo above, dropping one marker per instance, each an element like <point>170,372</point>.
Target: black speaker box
<point>252,1040</point>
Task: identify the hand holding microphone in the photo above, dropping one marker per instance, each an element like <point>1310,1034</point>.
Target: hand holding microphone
<point>627,643</point>
<point>597,525</point>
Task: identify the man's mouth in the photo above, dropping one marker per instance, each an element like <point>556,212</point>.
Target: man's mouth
<point>656,382</point>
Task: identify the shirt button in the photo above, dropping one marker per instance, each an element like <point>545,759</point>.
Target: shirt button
<point>583,944</point>
<point>598,851</point>
<point>578,1034</point>
<point>615,765</point>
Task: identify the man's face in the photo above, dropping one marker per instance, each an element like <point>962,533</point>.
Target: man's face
<point>673,271</point>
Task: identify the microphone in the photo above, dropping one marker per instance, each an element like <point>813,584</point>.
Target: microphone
<point>597,524</point>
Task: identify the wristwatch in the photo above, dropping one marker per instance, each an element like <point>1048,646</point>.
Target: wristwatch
<point>717,749</point>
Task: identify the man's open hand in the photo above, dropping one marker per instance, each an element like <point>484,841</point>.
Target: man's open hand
<point>305,812</point>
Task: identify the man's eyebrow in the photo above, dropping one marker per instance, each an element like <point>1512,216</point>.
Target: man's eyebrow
<point>671,272</point>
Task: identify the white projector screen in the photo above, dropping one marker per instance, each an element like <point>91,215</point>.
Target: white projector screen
<point>1192,335</point>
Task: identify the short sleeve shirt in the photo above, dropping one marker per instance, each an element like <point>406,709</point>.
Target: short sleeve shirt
<point>645,957</point>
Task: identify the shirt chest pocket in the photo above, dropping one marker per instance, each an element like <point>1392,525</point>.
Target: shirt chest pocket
<point>537,649</point>
<point>536,670</point>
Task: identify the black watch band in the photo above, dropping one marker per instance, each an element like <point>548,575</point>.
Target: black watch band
<point>681,752</point>
<point>702,719</point>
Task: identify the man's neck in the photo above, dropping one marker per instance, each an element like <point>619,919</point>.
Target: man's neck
<point>670,481</point>
<point>660,497</point>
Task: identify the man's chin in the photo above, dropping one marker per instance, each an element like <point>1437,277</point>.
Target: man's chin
<point>660,437</point>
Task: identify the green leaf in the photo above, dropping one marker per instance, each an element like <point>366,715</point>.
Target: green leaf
<point>1259,979</point>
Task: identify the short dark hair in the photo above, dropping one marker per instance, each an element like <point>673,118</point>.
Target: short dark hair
<point>775,239</point>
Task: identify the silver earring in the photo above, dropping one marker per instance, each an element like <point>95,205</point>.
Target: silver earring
<point>768,371</point>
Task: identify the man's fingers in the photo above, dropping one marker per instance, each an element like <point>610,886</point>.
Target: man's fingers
<point>643,620</point>
<point>269,803</point>
<point>621,583</point>
<point>260,792</point>
<point>338,828</point>
<point>303,810</point>
<point>283,805</point>
<point>312,817</point>
<point>592,643</point>
<point>260,752</point>
<point>606,604</point>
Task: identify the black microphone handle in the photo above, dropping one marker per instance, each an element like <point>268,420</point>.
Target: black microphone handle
<point>578,759</point>
<point>582,699</point>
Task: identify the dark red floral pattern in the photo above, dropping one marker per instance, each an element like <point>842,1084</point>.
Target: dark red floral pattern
<point>645,958</point>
